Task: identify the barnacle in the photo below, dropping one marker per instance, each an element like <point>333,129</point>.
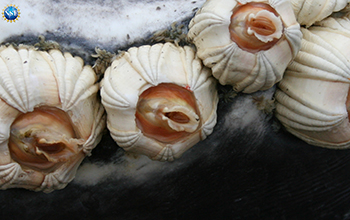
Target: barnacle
<point>45,45</point>
<point>247,44</point>
<point>176,34</point>
<point>160,100</point>
<point>50,117</point>
<point>309,12</point>
<point>264,104</point>
<point>104,60</point>
<point>313,98</point>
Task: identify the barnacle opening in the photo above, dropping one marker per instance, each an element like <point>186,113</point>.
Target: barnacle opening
<point>178,117</point>
<point>167,112</point>
<point>255,27</point>
<point>43,139</point>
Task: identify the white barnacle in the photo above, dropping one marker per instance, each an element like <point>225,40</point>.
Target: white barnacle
<point>247,44</point>
<point>160,100</point>
<point>313,100</point>
<point>309,12</point>
<point>50,117</point>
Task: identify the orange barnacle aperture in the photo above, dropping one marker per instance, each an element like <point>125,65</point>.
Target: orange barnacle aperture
<point>43,139</point>
<point>167,112</point>
<point>255,26</point>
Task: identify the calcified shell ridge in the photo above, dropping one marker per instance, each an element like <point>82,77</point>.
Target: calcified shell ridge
<point>141,68</point>
<point>31,79</point>
<point>247,71</point>
<point>311,11</point>
<point>312,99</point>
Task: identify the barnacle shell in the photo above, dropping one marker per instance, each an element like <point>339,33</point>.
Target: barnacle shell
<point>308,12</point>
<point>50,118</point>
<point>160,100</point>
<point>248,44</point>
<point>313,99</point>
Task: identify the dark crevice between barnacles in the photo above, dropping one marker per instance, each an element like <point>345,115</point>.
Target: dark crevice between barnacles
<point>226,93</point>
<point>103,60</point>
<point>276,125</point>
<point>263,104</point>
<point>176,34</point>
<point>46,45</point>
<point>345,12</point>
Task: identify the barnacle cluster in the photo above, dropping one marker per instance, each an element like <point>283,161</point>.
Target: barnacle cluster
<point>177,34</point>
<point>253,44</point>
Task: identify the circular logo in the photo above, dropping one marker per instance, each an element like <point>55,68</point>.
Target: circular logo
<point>10,13</point>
